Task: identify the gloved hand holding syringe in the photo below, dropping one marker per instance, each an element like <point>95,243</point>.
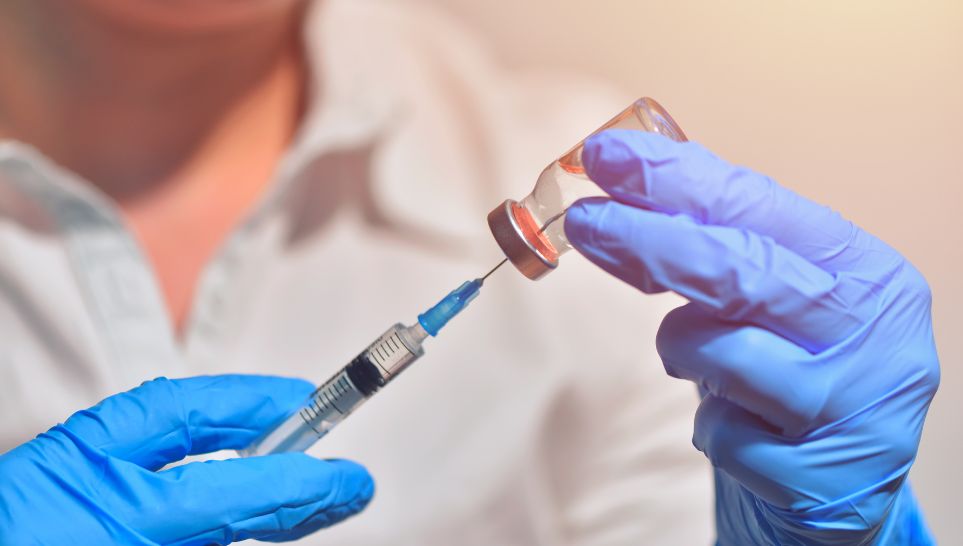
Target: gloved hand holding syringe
<point>361,378</point>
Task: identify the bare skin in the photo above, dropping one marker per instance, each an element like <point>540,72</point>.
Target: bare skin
<point>181,123</point>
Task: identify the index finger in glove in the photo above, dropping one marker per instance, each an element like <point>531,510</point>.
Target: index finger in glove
<point>651,171</point>
<point>164,420</point>
<point>738,274</point>
<point>279,497</point>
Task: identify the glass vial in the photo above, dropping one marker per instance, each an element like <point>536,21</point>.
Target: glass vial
<point>531,232</point>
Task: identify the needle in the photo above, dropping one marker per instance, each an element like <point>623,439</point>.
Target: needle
<point>552,219</point>
<point>482,279</point>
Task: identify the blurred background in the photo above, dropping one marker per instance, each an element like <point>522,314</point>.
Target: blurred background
<point>857,104</point>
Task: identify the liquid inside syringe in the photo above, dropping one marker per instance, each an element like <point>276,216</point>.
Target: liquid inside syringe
<point>368,372</point>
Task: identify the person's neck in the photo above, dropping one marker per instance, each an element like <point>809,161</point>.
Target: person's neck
<point>134,111</point>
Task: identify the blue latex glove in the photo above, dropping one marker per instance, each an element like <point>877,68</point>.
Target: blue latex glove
<point>95,479</point>
<point>810,339</point>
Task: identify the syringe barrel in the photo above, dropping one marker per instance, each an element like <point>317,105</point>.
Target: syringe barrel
<point>344,392</point>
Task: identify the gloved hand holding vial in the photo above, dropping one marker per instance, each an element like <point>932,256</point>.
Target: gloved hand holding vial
<point>810,339</point>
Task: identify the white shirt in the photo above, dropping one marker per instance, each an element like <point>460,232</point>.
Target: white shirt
<point>541,415</point>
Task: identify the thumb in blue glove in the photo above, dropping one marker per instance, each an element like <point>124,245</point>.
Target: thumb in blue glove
<point>811,340</point>
<point>96,478</point>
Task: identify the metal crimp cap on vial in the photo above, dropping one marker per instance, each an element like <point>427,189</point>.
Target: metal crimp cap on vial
<point>520,249</point>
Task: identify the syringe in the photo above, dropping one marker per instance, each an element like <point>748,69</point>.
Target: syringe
<point>371,370</point>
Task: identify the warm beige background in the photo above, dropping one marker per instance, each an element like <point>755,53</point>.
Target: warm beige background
<point>855,103</point>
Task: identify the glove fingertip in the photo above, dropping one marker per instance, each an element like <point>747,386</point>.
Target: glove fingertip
<point>581,220</point>
<point>607,155</point>
<point>343,482</point>
<point>328,514</point>
<point>357,479</point>
<point>622,161</point>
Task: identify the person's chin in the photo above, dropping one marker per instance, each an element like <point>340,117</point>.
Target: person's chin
<point>187,15</point>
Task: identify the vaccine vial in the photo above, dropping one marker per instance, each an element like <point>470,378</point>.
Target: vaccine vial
<point>531,232</point>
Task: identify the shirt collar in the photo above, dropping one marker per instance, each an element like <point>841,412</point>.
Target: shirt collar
<point>371,81</point>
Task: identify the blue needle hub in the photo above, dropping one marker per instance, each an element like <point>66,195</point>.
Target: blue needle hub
<point>438,316</point>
